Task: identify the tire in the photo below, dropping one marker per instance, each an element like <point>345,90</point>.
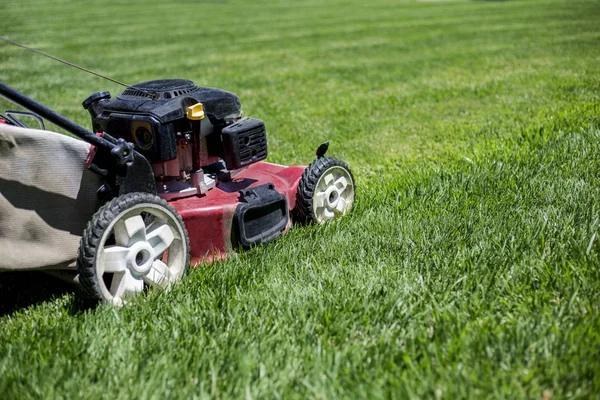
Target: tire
<point>134,240</point>
<point>326,191</point>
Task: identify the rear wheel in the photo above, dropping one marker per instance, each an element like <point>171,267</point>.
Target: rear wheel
<point>325,191</point>
<point>133,241</point>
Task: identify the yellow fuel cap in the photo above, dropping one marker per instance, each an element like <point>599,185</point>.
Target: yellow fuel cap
<point>195,112</point>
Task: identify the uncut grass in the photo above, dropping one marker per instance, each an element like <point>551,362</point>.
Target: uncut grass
<point>469,266</point>
<point>475,280</point>
<point>424,77</point>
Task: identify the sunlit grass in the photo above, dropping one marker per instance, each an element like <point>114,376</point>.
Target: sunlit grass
<point>469,267</point>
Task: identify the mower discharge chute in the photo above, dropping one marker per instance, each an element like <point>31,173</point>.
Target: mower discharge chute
<point>178,176</point>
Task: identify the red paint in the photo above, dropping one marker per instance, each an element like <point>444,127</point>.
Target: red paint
<point>208,218</point>
<point>90,156</point>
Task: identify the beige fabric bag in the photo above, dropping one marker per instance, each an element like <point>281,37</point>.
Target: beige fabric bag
<point>47,196</point>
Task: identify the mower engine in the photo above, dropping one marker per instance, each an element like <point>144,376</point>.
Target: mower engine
<point>189,134</point>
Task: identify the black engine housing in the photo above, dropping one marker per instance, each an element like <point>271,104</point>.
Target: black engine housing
<point>152,115</point>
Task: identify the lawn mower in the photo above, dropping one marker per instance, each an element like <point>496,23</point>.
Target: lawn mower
<point>171,174</point>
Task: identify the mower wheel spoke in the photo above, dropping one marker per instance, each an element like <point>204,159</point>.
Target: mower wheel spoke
<point>124,284</point>
<point>341,183</point>
<point>130,230</point>
<point>319,199</point>
<point>327,213</point>
<point>341,205</point>
<point>329,178</point>
<point>158,274</point>
<point>161,238</point>
<point>157,223</point>
<point>114,259</point>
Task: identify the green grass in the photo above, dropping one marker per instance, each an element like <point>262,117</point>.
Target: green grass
<point>469,267</point>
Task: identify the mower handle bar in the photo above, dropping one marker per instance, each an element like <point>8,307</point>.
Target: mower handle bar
<point>54,117</point>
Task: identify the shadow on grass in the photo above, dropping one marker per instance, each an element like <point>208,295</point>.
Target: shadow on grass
<point>20,290</point>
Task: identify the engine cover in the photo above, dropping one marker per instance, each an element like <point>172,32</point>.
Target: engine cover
<point>152,114</point>
<point>163,99</point>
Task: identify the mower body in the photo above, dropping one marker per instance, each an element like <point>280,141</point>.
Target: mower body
<point>255,207</point>
<point>172,175</point>
<point>206,159</point>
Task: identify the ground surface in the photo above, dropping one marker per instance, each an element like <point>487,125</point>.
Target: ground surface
<point>470,266</point>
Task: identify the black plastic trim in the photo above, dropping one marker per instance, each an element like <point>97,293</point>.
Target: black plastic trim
<point>261,216</point>
<point>244,143</point>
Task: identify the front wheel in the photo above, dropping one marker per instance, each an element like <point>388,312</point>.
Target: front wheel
<point>326,190</point>
<point>134,240</point>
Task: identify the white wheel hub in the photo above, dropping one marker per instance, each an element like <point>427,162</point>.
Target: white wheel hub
<point>139,258</point>
<point>334,194</point>
<point>153,254</point>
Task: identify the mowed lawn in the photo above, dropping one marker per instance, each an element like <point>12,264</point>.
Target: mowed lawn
<point>469,267</point>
